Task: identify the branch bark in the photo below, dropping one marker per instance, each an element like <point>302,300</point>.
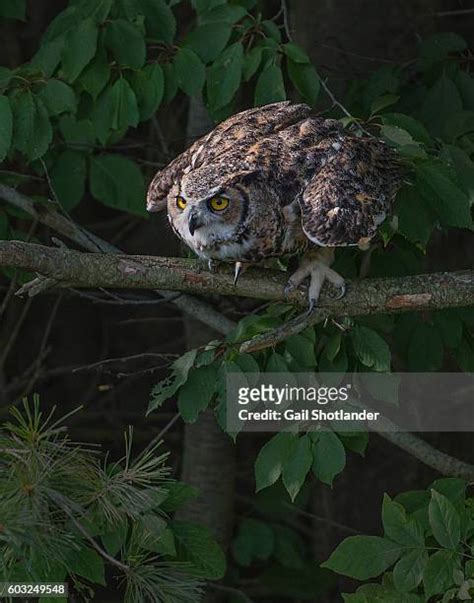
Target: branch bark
<point>379,295</point>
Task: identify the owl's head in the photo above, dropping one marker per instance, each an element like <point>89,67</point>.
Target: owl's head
<point>208,209</point>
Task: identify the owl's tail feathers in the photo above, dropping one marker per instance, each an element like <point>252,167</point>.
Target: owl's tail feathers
<point>316,265</point>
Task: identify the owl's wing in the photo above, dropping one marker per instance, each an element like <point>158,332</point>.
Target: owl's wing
<point>349,197</point>
<point>242,129</point>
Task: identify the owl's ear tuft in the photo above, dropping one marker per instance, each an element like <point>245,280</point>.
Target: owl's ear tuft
<point>154,205</point>
<point>155,201</point>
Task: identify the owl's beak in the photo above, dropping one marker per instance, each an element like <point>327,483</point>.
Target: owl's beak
<point>194,222</point>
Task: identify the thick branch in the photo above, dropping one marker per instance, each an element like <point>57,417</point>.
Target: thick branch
<point>62,224</point>
<point>90,270</point>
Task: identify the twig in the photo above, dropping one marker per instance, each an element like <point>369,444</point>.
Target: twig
<point>326,520</point>
<point>230,590</point>
<point>102,363</point>
<point>452,13</point>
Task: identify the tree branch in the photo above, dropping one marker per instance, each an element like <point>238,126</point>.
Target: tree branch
<point>379,295</point>
<point>61,223</point>
<point>369,296</point>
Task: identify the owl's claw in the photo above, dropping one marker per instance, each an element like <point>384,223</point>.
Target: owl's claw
<point>342,291</point>
<point>238,269</point>
<point>211,265</point>
<point>289,288</point>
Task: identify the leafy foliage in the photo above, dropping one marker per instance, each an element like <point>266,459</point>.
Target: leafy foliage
<point>426,545</point>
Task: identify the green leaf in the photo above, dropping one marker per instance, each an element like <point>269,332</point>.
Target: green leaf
<point>117,182</point>
<point>453,488</point>
<point>382,102</point>
<point>58,97</point>
<point>272,30</point>
<point>302,350</point>
<point>169,386</point>
<point>363,557</point>
<point>416,219</point>
<point>295,53</point>
<point>252,62</point>
<point>228,13</point>
<point>440,102</point>
<point>332,346</point>
<point>224,76</point>
<point>305,79</point>
<point>208,40</point>
<point>179,494</point>
<point>196,394</point>
<point>276,364</point>
<point>463,167</point>
<point>6,127</point>
<point>13,9</point>
<point>68,177</point>
<point>195,544</point>
<point>113,541</point>
<point>440,45</point>
<point>396,135</point>
<point>77,133</point>
<point>465,84</point>
<point>444,521</point>
<point>408,571</point>
<point>170,81</point>
<point>79,49</point>
<point>465,356</point>
<point>438,574</point>
<point>149,85</point>
<point>202,6</point>
<point>32,132</point>
<point>126,107</point>
<point>160,22</point>
<point>126,43</point>
<point>254,540</point>
<point>297,466</point>
<point>416,129</point>
<point>271,458</point>
<point>190,71</point>
<point>116,109</point>
<point>329,456</point>
<point>425,350</point>
<point>96,75</point>
<point>48,56</point>
<point>449,326</point>
<point>398,527</point>
<point>371,349</point>
<point>270,87</point>
<point>87,564</point>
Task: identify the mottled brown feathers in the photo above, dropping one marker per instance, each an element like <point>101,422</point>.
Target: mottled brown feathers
<point>290,180</point>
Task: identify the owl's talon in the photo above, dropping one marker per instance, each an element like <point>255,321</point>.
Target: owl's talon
<point>211,265</point>
<point>311,307</point>
<point>342,291</point>
<point>237,272</point>
<point>289,288</point>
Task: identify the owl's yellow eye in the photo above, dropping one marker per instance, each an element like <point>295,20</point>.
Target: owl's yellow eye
<point>181,202</point>
<point>218,203</point>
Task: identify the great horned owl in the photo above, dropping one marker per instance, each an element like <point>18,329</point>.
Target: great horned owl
<point>274,181</point>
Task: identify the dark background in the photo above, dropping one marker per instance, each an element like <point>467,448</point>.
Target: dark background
<point>105,354</point>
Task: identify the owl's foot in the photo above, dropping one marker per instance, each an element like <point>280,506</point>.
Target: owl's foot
<point>316,265</point>
<point>212,265</point>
